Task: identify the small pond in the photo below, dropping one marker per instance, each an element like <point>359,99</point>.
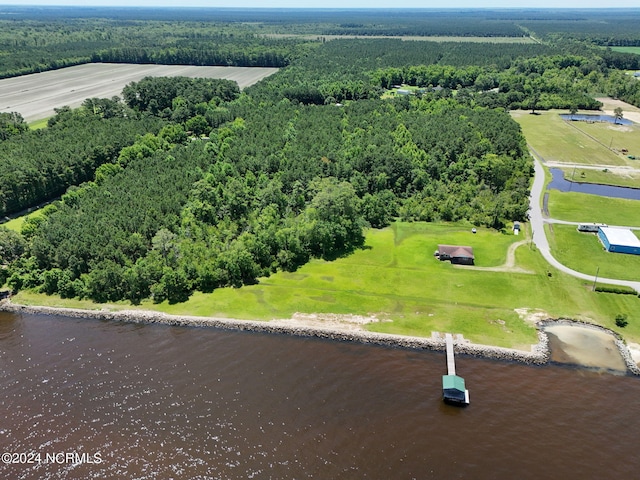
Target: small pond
<point>560,183</point>
<point>595,118</point>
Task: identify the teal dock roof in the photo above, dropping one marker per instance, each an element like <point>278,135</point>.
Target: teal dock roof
<point>453,382</point>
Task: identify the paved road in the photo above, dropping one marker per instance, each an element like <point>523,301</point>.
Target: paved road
<point>564,222</point>
<point>540,239</point>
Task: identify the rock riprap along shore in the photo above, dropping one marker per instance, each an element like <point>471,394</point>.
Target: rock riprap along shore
<point>301,327</point>
<point>538,355</point>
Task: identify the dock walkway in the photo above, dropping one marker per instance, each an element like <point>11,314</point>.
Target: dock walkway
<point>451,361</point>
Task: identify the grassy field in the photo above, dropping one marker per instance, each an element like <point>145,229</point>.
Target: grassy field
<point>38,124</point>
<point>629,178</point>
<point>396,278</point>
<point>394,91</point>
<point>565,240</point>
<point>560,141</point>
<point>581,207</point>
<point>617,137</point>
<point>15,224</point>
<point>635,50</point>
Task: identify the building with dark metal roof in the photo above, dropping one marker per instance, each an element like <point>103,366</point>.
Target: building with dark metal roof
<point>458,254</point>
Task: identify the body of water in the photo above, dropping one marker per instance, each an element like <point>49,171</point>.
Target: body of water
<point>560,183</point>
<point>160,402</point>
<point>595,118</point>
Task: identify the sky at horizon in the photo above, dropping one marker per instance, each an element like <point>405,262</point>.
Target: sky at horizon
<point>511,4</point>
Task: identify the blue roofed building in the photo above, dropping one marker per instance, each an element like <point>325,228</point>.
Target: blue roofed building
<point>619,240</point>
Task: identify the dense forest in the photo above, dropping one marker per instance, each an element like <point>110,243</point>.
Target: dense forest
<point>189,184</point>
<point>38,165</point>
<point>35,39</point>
<point>252,200</point>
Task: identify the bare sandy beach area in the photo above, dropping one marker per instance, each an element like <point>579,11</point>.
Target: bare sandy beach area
<point>35,96</point>
<point>585,346</point>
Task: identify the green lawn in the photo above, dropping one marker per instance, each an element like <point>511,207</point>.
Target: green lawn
<point>15,224</point>
<point>617,137</point>
<point>582,207</point>
<point>584,252</point>
<point>608,177</point>
<point>38,124</point>
<point>559,141</point>
<point>635,50</point>
<point>397,278</point>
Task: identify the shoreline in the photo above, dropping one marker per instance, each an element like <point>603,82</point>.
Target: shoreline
<point>539,354</point>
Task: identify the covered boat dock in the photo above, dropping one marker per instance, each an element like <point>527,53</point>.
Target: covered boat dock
<point>454,390</point>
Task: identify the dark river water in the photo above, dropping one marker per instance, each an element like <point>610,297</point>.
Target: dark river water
<point>159,402</point>
<point>560,183</point>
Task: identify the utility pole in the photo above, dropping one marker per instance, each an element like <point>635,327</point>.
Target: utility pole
<point>596,279</point>
<point>571,182</point>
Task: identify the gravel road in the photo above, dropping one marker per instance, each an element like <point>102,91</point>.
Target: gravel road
<point>540,239</point>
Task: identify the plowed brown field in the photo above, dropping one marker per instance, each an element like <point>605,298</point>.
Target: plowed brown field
<point>35,96</point>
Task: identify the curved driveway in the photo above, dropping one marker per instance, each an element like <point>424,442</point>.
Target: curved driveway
<point>540,238</point>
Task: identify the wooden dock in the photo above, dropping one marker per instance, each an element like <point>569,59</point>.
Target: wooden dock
<point>451,360</point>
<point>453,386</point>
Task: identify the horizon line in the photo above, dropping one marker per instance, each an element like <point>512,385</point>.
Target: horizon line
<point>204,7</point>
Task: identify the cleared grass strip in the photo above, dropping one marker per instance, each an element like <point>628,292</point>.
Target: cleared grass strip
<point>397,279</point>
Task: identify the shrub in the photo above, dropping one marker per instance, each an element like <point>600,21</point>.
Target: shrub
<point>622,290</point>
<point>621,320</point>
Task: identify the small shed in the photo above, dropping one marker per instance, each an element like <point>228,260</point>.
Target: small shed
<point>516,228</point>
<point>454,390</point>
<point>619,240</point>
<point>457,254</point>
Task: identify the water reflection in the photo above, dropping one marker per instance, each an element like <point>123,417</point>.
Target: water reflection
<point>596,118</point>
<point>560,183</point>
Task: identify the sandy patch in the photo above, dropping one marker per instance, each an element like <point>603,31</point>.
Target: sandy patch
<point>584,346</point>
<point>630,112</point>
<point>331,321</point>
<point>532,315</point>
